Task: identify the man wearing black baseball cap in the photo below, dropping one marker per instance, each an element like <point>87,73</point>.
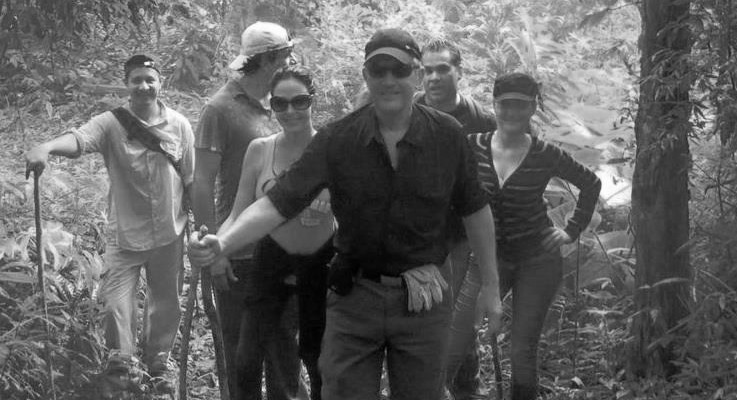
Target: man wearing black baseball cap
<point>393,169</point>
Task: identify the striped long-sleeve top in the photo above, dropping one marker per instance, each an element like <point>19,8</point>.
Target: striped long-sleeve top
<point>520,213</point>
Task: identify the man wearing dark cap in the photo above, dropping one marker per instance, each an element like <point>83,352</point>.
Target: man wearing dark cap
<point>441,71</point>
<point>393,169</point>
<point>234,116</point>
<point>148,153</point>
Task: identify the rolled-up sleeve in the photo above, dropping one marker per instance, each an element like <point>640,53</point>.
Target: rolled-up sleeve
<point>91,136</point>
<point>297,187</point>
<point>467,197</point>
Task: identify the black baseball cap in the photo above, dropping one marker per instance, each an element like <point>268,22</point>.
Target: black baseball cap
<point>139,61</point>
<point>394,42</point>
<point>517,86</point>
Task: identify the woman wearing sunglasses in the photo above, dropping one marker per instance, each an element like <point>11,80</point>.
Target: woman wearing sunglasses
<point>514,168</point>
<point>294,257</point>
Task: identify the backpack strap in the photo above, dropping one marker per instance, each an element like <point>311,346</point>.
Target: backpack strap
<point>138,131</point>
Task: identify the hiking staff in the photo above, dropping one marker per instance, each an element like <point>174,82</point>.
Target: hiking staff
<point>186,333</point>
<point>496,359</point>
<point>40,257</point>
<point>217,332</point>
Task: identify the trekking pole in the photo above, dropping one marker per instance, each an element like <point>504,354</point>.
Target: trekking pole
<point>497,368</point>
<point>194,280</point>
<point>217,332</point>
<point>42,287</point>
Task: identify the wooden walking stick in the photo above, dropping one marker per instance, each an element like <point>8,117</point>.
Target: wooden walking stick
<point>194,280</point>
<point>497,368</point>
<point>42,287</point>
<point>217,333</point>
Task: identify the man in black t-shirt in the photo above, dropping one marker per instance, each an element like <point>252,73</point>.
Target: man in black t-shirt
<point>441,71</point>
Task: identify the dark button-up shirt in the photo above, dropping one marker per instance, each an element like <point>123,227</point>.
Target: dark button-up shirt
<point>390,220</point>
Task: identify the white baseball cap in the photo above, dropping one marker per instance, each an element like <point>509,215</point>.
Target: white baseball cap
<point>261,37</point>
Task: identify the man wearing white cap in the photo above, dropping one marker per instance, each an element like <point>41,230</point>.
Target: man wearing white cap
<point>393,169</point>
<point>229,121</point>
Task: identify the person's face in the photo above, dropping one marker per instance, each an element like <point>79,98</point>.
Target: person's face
<point>514,115</point>
<point>390,82</point>
<point>143,86</point>
<point>291,102</point>
<point>439,76</point>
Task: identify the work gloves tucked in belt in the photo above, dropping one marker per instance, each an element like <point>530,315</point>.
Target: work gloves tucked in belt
<point>425,286</point>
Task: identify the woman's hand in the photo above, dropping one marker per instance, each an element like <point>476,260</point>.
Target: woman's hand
<point>489,304</point>
<point>554,238</point>
<point>222,274</point>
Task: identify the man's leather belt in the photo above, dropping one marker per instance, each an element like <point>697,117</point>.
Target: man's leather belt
<point>386,280</point>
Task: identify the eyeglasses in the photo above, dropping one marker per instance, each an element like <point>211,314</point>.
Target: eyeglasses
<point>299,102</point>
<point>441,69</point>
<point>399,70</point>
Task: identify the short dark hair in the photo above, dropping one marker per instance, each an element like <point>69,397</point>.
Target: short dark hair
<point>438,45</point>
<point>256,61</point>
<point>297,72</point>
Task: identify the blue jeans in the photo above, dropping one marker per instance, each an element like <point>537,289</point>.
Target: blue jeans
<point>534,283</point>
<point>372,323</point>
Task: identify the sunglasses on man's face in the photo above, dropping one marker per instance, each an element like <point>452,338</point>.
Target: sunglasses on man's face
<point>399,70</point>
<point>299,102</point>
<point>441,69</point>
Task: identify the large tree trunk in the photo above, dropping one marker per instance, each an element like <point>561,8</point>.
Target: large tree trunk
<point>660,185</point>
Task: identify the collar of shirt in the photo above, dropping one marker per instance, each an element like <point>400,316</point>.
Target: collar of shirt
<point>161,119</point>
<point>369,128</point>
<point>236,90</point>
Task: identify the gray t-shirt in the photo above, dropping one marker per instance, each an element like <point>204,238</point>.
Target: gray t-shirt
<point>228,123</point>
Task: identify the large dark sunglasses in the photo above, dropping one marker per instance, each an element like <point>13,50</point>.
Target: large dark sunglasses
<point>399,70</point>
<point>299,102</point>
<point>441,69</point>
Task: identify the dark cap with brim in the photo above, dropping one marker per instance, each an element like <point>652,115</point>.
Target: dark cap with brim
<point>517,86</point>
<point>138,61</point>
<point>393,42</point>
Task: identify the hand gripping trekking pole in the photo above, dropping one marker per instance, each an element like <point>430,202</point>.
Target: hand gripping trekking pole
<point>208,301</point>
<point>194,280</point>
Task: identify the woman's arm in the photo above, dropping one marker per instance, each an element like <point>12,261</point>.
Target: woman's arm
<point>250,170</point>
<point>589,186</point>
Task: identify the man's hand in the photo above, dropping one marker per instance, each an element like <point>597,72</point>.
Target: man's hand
<point>489,304</point>
<point>222,274</point>
<point>554,238</point>
<point>36,160</point>
<point>205,252</point>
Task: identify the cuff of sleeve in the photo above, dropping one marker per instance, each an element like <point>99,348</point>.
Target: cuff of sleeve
<point>573,231</point>
<point>80,145</point>
<point>281,203</point>
<point>472,207</point>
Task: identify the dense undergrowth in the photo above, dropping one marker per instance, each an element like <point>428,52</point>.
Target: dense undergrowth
<point>589,69</point>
